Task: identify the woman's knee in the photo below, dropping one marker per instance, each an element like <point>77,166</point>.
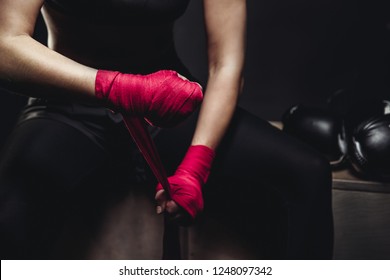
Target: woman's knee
<point>313,178</point>
<point>319,167</point>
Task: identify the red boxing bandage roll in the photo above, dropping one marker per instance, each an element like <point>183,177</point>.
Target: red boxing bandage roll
<point>186,184</point>
<point>163,98</point>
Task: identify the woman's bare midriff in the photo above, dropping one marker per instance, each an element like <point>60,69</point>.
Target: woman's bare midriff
<point>103,45</point>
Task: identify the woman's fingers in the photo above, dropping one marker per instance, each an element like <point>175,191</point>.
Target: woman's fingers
<point>161,200</point>
<point>172,207</point>
<point>184,78</point>
<point>175,213</point>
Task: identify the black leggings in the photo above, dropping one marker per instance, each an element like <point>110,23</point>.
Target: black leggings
<point>50,170</point>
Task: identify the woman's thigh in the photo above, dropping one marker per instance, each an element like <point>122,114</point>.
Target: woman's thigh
<point>260,176</point>
<point>251,151</point>
<point>49,173</point>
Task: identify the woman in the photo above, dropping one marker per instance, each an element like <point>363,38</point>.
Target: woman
<point>66,138</point>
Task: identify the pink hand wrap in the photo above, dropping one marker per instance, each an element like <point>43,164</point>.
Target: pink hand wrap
<point>162,98</point>
<point>186,184</point>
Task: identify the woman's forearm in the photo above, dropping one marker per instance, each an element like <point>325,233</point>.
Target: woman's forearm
<point>34,70</point>
<point>218,106</point>
<point>225,23</point>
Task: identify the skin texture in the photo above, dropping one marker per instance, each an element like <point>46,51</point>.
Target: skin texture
<point>67,69</point>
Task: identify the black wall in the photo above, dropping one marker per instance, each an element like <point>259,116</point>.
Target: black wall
<point>297,51</point>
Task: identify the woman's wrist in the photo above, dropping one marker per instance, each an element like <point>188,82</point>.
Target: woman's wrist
<point>209,143</point>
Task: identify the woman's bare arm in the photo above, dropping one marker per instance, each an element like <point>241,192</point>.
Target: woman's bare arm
<point>32,68</point>
<point>226,30</point>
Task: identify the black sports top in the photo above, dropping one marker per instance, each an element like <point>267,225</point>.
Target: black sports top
<point>123,11</point>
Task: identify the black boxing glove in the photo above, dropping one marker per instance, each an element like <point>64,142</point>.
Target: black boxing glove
<point>353,108</point>
<point>319,128</point>
<point>370,148</point>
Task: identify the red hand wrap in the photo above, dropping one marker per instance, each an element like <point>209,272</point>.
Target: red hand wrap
<point>162,98</point>
<point>186,184</point>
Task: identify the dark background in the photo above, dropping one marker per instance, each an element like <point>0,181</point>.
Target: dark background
<point>297,51</point>
<point>303,50</point>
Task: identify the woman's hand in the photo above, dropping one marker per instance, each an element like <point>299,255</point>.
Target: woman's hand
<point>186,184</point>
<point>163,98</point>
<point>174,212</point>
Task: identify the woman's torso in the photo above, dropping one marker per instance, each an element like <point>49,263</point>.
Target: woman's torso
<point>126,35</point>
<point>111,37</point>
